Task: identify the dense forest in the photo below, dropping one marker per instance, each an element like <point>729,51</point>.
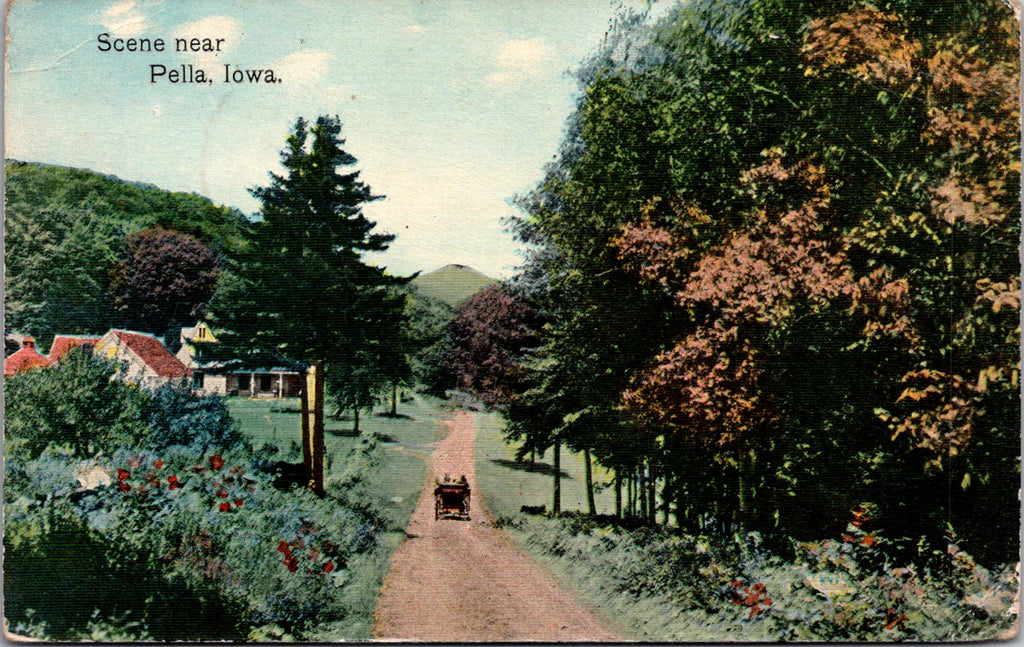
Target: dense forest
<point>774,280</point>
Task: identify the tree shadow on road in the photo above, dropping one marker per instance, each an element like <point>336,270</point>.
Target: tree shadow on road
<point>527,466</point>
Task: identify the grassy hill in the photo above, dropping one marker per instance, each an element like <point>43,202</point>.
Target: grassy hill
<point>452,284</point>
<point>65,230</point>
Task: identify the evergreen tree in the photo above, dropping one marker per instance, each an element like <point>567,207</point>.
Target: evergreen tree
<point>305,292</point>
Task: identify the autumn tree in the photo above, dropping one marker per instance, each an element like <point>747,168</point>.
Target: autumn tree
<point>305,291</point>
<point>162,281</point>
<point>491,334</point>
<point>807,213</point>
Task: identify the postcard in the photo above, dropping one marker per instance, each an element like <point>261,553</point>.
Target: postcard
<point>680,321</point>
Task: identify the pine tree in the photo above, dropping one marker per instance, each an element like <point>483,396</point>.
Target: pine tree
<point>305,292</point>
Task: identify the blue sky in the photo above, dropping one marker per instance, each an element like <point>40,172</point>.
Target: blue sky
<point>451,107</point>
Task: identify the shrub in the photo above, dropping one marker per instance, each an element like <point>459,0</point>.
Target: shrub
<point>74,404</point>
<point>182,525</point>
<point>179,417</point>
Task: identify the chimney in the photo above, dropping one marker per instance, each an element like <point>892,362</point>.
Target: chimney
<point>28,342</point>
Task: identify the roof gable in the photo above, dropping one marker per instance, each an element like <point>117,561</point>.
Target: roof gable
<point>64,343</point>
<point>24,359</point>
<point>152,353</point>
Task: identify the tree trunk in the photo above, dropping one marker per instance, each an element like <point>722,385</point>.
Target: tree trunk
<point>652,496</point>
<point>556,505</point>
<point>394,399</point>
<point>355,419</point>
<point>591,506</point>
<point>307,436</point>
<point>745,487</point>
<point>630,500</point>
<point>642,491</point>
<point>618,494</point>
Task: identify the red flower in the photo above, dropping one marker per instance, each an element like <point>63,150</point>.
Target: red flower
<point>328,567</point>
<point>216,462</point>
<point>238,503</point>
<point>848,539</point>
<point>282,547</point>
<point>222,494</point>
<point>159,464</point>
<point>869,540</point>
<point>292,563</point>
<point>123,486</point>
<point>225,507</point>
<point>856,522</point>
<point>123,474</point>
<point>172,482</point>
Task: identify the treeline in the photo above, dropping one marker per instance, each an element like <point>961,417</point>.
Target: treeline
<point>774,282</point>
<point>85,252</point>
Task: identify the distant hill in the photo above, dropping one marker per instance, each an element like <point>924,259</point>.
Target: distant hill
<point>452,284</point>
<point>64,232</point>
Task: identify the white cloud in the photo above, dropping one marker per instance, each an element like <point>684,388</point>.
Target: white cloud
<point>123,20</point>
<point>520,61</point>
<point>212,28</point>
<point>523,54</point>
<point>306,67</point>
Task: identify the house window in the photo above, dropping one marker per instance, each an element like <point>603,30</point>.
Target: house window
<point>243,382</point>
<point>266,382</point>
<point>197,380</point>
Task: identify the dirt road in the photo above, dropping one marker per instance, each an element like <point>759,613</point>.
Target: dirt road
<point>467,581</point>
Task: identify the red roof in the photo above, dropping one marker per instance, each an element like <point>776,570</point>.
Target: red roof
<point>25,358</point>
<point>63,343</point>
<point>149,349</point>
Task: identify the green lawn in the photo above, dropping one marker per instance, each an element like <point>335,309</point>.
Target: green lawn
<point>507,485</point>
<point>407,441</point>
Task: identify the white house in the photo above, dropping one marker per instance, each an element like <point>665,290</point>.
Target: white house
<point>145,360</point>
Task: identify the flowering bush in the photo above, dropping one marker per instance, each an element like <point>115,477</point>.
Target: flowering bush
<point>209,523</point>
<point>861,586</point>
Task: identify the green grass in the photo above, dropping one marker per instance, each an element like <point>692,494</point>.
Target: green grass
<point>406,443</point>
<point>508,485</point>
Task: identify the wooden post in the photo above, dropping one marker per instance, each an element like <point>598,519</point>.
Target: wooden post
<point>315,383</point>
